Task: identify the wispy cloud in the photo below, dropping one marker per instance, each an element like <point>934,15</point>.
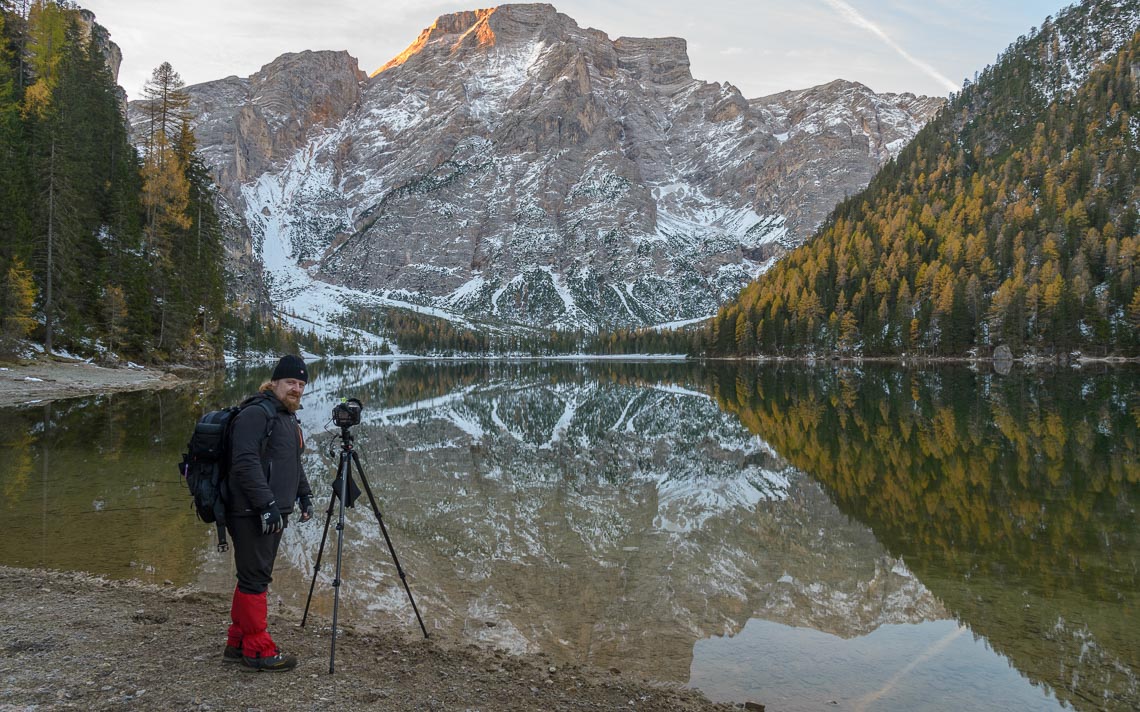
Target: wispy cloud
<point>730,51</point>
<point>853,16</point>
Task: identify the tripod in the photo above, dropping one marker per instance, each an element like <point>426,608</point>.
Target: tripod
<point>347,494</point>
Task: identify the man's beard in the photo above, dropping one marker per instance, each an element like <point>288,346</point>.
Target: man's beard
<point>292,403</point>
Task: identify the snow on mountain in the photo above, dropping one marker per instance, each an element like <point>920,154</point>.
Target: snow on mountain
<point>513,167</point>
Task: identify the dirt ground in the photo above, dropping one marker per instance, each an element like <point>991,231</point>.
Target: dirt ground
<point>76,641</point>
<point>48,379</point>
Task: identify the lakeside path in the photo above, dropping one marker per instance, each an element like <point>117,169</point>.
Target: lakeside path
<point>77,641</point>
<point>46,380</point>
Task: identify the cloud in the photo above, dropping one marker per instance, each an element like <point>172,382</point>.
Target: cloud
<point>730,51</point>
<point>852,16</point>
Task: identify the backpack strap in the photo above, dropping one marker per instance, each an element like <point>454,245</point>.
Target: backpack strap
<point>219,505</point>
<point>271,415</point>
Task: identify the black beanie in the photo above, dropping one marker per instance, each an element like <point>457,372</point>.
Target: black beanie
<point>290,366</point>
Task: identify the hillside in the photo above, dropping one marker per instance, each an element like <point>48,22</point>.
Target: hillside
<point>1011,219</point>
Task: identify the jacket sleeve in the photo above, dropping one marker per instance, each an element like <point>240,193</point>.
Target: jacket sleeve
<point>245,463</point>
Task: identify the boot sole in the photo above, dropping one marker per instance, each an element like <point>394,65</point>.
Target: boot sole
<point>246,667</point>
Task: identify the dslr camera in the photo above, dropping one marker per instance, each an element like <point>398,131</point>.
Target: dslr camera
<point>347,413</point>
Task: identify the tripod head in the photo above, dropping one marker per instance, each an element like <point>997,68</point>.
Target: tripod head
<point>346,438</point>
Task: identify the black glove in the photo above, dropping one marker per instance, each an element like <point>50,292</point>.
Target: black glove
<point>306,507</point>
<point>271,522</point>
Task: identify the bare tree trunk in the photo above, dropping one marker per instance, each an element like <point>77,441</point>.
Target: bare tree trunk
<point>162,321</point>
<point>50,251</point>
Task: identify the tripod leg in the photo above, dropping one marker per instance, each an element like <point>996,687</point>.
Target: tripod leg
<point>388,540</point>
<point>345,470</point>
<point>317,566</point>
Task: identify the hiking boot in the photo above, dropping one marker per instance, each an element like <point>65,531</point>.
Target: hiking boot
<point>231,654</point>
<point>277,663</point>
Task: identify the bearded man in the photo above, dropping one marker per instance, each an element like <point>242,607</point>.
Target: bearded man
<point>265,479</point>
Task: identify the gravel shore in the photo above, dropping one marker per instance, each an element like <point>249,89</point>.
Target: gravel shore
<point>77,641</point>
<point>48,379</point>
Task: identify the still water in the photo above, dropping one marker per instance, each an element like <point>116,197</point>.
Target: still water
<point>845,538</point>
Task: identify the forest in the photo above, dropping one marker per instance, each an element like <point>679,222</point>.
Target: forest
<point>1010,220</point>
<point>105,249</point>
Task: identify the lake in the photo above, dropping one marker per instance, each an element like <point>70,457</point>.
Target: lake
<point>872,537</point>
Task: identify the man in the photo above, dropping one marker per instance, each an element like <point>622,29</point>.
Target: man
<point>265,478</point>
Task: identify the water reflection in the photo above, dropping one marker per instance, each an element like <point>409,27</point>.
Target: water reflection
<point>1012,498</point>
<point>775,533</point>
<point>607,514</point>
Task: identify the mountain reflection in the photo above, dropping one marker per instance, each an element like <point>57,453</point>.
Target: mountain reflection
<point>605,513</point>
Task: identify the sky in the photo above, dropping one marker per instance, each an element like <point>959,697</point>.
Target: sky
<point>760,46</point>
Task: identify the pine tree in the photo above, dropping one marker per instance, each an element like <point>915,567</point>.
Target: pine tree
<point>167,103</point>
<point>1134,309</point>
<point>47,30</point>
<point>18,305</point>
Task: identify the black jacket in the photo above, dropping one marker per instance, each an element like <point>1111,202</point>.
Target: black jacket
<point>255,479</point>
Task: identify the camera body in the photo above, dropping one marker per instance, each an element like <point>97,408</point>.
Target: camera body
<point>347,413</point>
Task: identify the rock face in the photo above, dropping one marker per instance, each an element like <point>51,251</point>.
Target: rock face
<point>247,126</point>
<point>111,52</point>
<point>512,166</point>
<point>834,138</point>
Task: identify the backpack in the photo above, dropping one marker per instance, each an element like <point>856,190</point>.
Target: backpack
<point>206,462</point>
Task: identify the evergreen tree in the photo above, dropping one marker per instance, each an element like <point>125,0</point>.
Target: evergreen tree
<point>167,103</point>
<point>19,294</point>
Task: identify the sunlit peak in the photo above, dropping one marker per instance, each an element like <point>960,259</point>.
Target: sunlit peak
<point>455,27</point>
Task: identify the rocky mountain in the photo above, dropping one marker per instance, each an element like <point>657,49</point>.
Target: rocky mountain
<point>828,134</point>
<point>515,167</point>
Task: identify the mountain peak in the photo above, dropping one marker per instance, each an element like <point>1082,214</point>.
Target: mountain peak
<point>478,28</point>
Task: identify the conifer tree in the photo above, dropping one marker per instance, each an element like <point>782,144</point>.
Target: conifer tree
<point>18,304</point>
<point>167,103</point>
<point>115,313</point>
<point>47,31</point>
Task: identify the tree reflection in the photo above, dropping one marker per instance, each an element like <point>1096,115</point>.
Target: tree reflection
<point>1013,498</point>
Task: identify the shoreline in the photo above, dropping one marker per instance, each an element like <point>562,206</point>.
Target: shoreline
<point>78,641</point>
<point>50,379</point>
